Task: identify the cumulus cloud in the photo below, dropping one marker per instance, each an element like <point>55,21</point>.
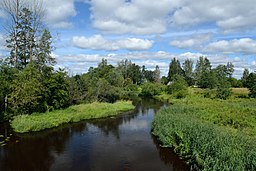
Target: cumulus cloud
<point>80,63</point>
<point>228,16</point>
<point>58,12</point>
<point>195,41</point>
<point>144,17</point>
<point>137,16</point>
<point>98,42</point>
<point>244,46</point>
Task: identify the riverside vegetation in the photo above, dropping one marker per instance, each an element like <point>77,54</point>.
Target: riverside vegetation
<point>38,122</point>
<point>210,133</point>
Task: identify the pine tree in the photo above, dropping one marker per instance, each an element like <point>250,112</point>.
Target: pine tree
<point>44,49</point>
<point>175,69</point>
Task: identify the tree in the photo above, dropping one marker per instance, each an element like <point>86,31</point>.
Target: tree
<point>188,71</point>
<point>208,79</point>
<point>230,70</point>
<point>26,96</point>
<point>251,84</point>
<point>223,89</point>
<point>157,73</point>
<point>246,74</point>
<point>203,68</point>
<point>44,49</point>
<point>23,27</point>
<point>178,88</point>
<point>7,75</point>
<point>175,69</point>
<point>56,86</point>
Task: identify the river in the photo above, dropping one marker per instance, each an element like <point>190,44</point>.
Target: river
<point>118,143</point>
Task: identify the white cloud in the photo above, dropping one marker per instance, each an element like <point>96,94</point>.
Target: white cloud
<point>80,63</point>
<point>144,17</point>
<point>244,46</point>
<point>58,12</point>
<point>195,41</point>
<point>97,42</point>
<point>137,16</point>
<point>229,16</point>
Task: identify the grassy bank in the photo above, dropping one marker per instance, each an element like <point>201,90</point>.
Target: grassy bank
<point>38,122</point>
<point>211,134</point>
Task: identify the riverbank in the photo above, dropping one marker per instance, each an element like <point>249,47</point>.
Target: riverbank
<point>38,122</point>
<point>211,134</point>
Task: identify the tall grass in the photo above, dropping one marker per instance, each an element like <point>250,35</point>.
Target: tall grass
<point>38,122</point>
<point>211,134</point>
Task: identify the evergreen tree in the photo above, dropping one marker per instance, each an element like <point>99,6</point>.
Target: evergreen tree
<point>44,49</point>
<point>202,70</point>
<point>22,42</point>
<point>175,69</point>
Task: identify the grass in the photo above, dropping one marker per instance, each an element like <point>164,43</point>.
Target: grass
<point>211,134</point>
<point>38,122</point>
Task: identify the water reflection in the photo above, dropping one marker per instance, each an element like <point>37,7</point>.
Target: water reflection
<point>119,143</point>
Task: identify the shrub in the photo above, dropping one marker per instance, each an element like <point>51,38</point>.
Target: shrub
<point>178,88</point>
<point>224,89</point>
<point>152,89</point>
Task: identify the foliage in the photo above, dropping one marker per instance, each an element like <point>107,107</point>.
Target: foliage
<point>175,69</point>
<point>7,75</point>
<point>151,89</point>
<point>223,89</point>
<point>38,122</point>
<point>44,49</point>
<point>178,88</point>
<point>208,131</point>
<point>56,89</point>
<point>27,91</point>
<point>244,77</point>
<point>188,72</point>
<point>208,79</point>
<point>251,84</point>
<point>203,66</point>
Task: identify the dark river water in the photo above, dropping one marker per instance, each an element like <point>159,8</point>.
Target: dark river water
<point>120,143</point>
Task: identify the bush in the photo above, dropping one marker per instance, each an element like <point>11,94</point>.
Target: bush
<point>152,89</point>
<point>224,89</point>
<point>178,88</point>
<point>253,91</point>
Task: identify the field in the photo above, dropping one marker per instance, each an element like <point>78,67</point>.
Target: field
<point>38,121</point>
<point>211,134</point>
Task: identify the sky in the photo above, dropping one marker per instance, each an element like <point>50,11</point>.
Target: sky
<point>149,32</point>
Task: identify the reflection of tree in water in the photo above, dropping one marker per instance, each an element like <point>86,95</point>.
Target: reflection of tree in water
<point>150,104</point>
<point>168,156</point>
<point>36,151</point>
<point>111,125</point>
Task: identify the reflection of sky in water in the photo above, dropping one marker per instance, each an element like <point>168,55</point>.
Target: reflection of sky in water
<point>118,143</point>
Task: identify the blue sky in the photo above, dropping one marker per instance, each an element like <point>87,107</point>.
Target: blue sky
<point>150,32</point>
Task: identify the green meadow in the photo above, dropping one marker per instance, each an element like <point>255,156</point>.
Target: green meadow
<point>38,122</point>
